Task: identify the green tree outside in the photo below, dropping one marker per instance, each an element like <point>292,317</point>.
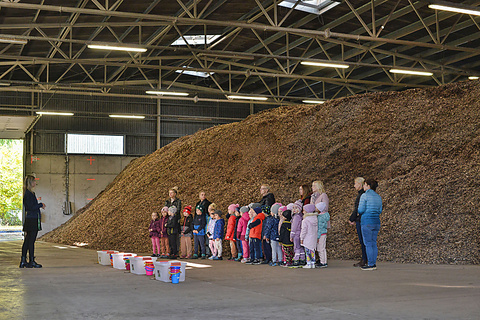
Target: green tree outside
<point>11,185</point>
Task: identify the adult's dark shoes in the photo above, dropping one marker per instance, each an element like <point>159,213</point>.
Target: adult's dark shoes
<point>360,263</point>
<point>23,263</point>
<point>33,264</point>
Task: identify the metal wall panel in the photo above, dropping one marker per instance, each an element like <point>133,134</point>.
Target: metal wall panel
<point>45,142</point>
<point>140,145</point>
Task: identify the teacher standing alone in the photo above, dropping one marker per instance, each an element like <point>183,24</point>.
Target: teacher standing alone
<point>32,223</point>
<point>370,208</point>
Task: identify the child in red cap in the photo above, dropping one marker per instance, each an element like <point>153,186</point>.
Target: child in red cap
<point>186,233</point>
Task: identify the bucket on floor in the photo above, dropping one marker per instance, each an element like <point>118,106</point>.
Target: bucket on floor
<point>175,273</point>
<point>127,263</point>
<point>149,270</point>
<point>137,264</point>
<point>118,259</point>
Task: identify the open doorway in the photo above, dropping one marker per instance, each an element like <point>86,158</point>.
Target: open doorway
<point>11,188</point>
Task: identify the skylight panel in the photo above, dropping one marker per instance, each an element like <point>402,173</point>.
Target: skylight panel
<point>311,6</point>
<point>196,40</point>
<point>194,73</point>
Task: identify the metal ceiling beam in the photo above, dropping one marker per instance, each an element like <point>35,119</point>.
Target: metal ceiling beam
<point>196,21</point>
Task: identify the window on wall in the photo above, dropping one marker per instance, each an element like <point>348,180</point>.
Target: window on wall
<point>94,144</point>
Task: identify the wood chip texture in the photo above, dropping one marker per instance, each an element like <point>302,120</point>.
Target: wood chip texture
<point>422,145</point>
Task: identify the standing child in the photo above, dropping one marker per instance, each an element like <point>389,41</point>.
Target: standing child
<point>308,235</point>
<point>323,221</point>
<point>186,233</point>
<point>297,217</point>
<point>165,247</point>
<point>230,235</point>
<point>154,230</point>
<point>273,236</point>
<point>242,231</point>
<point>237,237</point>
<point>266,226</point>
<point>199,223</point>
<point>255,234</point>
<point>210,227</point>
<point>218,232</point>
<point>285,226</point>
<point>172,230</point>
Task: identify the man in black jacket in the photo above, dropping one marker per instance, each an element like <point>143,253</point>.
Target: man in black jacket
<point>355,220</point>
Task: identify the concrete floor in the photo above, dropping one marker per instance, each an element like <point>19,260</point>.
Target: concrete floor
<point>72,285</point>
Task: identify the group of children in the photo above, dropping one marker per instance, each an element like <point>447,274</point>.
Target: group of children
<point>278,235</point>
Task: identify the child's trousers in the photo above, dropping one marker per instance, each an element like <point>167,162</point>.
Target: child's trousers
<point>218,247</point>
<point>298,248</point>
<point>288,254</point>
<point>267,250</point>
<point>172,241</point>
<point>277,253</point>
<point>164,245</point>
<point>310,255</point>
<point>233,248</point>
<point>322,251</point>
<point>255,249</point>
<point>245,249</point>
<point>199,241</point>
<point>211,245</point>
<point>156,245</point>
<point>186,246</point>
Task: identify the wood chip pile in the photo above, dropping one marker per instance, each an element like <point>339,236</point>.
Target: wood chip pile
<point>422,145</point>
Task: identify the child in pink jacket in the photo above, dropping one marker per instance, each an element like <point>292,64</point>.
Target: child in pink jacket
<point>242,230</point>
<point>308,235</point>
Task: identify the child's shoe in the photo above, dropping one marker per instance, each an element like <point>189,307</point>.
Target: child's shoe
<point>188,257</point>
<point>231,258</point>
<point>217,258</point>
<point>203,257</point>
<point>296,264</point>
<point>212,257</point>
<point>303,262</point>
<point>249,261</point>
<point>322,265</point>
<point>195,256</point>
<point>239,257</point>
<point>256,261</point>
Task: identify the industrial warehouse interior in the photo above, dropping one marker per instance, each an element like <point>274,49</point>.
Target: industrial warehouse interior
<point>111,109</point>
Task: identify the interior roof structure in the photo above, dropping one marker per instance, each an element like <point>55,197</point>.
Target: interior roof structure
<point>259,52</point>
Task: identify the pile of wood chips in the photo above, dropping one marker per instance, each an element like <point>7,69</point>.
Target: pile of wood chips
<point>422,145</point>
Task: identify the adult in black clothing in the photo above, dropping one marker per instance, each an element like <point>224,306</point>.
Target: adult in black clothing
<point>268,199</point>
<point>174,201</point>
<point>205,203</point>
<point>32,223</point>
<point>355,220</point>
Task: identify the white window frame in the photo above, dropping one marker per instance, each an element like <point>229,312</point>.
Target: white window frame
<point>92,146</point>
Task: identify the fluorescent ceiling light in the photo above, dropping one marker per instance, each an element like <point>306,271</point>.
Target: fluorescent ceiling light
<point>454,8</point>
<point>196,39</point>
<point>12,40</point>
<point>116,48</point>
<point>473,78</point>
<point>418,73</point>
<point>125,116</point>
<point>195,73</point>
<point>167,93</point>
<point>313,101</point>
<point>52,113</point>
<point>325,64</point>
<point>310,6</point>
<point>247,98</point>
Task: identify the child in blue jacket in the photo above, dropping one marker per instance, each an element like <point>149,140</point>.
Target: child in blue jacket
<point>218,233</point>
<point>199,223</point>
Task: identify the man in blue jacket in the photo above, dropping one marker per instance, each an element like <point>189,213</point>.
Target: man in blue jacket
<point>370,208</point>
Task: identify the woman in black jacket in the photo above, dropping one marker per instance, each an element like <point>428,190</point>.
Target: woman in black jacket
<point>32,223</point>
<point>268,199</point>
